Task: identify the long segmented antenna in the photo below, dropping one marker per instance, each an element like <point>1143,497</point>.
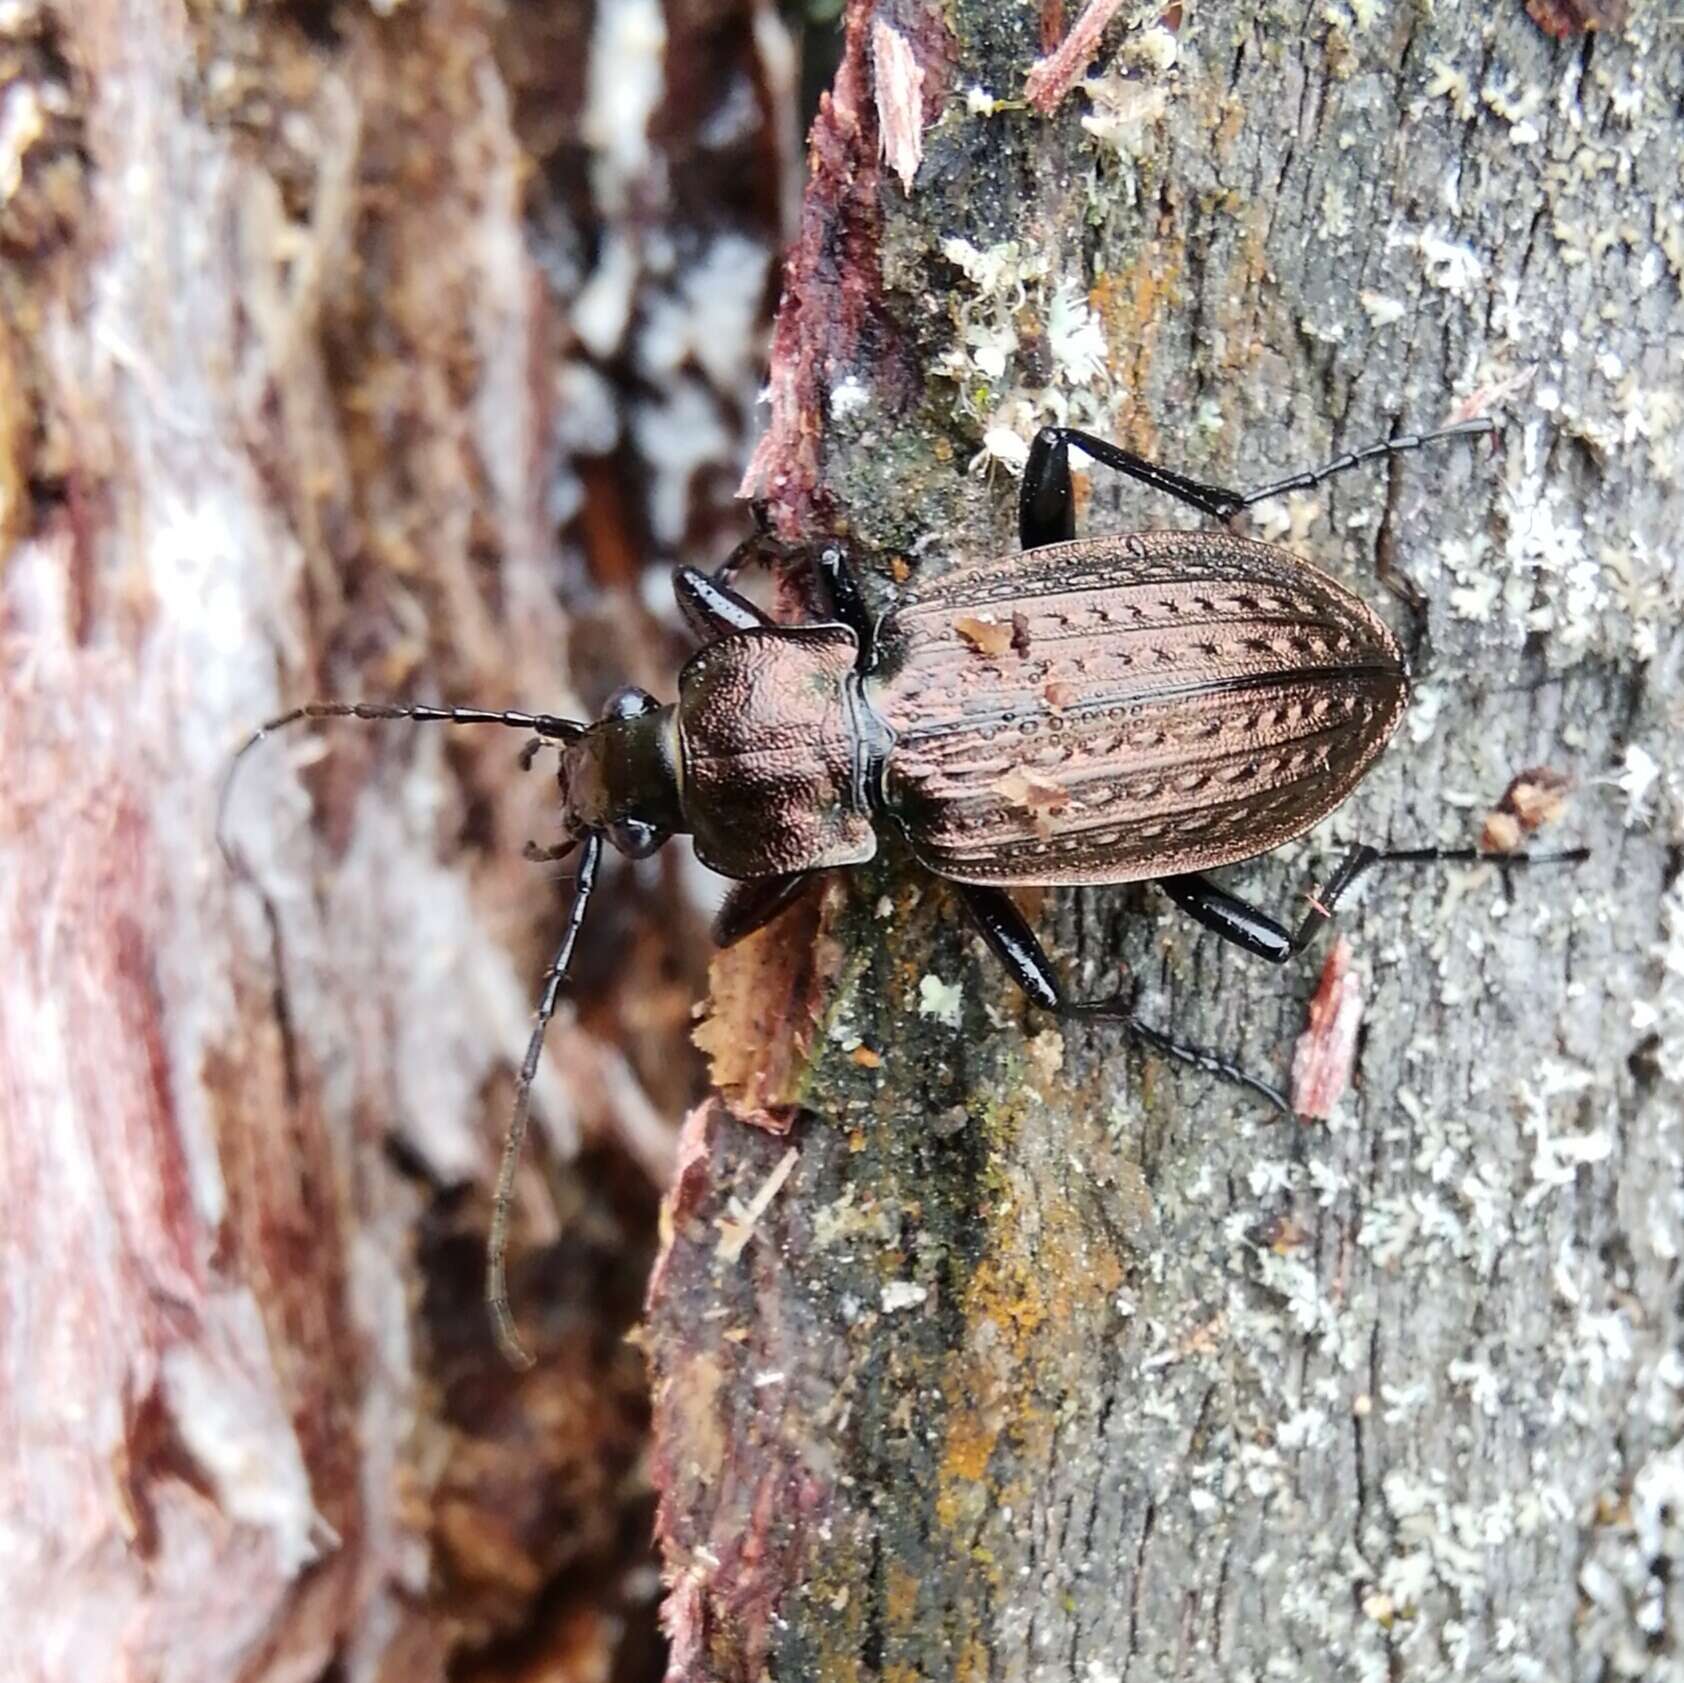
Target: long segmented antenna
<point>539,724</point>
<point>1398,446</point>
<point>541,727</point>
<point>496,1281</point>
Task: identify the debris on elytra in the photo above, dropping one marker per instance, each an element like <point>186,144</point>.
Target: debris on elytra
<point>1536,797</point>
<point>735,1231</point>
<point>1326,1051</point>
<point>1042,799</point>
<point>900,101</point>
<point>985,634</point>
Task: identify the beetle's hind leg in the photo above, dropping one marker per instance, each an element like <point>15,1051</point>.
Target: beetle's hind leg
<point>1012,941</point>
<point>1240,922</point>
<point>1046,507</point>
<point>1398,445</point>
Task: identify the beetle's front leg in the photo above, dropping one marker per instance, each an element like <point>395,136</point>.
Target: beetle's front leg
<point>847,602</point>
<point>711,608</point>
<point>752,904</point>
<point>1240,922</point>
<point>1012,941</point>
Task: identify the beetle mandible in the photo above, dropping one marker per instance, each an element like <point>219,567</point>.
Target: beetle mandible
<point>1094,710</point>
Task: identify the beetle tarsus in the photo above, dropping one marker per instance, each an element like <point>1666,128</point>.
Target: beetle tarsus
<point>533,854</point>
<point>1398,445</point>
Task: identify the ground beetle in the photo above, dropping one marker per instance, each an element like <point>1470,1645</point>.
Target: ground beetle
<point>1095,710</point>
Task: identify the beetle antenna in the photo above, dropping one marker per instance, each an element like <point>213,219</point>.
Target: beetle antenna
<point>1397,446</point>
<point>496,1280</point>
<point>540,724</point>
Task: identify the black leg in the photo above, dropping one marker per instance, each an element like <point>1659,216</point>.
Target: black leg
<point>753,904</point>
<point>1013,943</point>
<point>1046,510</point>
<point>710,607</point>
<point>757,550</point>
<point>835,571</point>
<point>496,1283</point>
<point>1398,446</point>
<point>1242,923</point>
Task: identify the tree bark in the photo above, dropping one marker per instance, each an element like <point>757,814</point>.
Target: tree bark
<point>372,350</point>
<point>1023,1354</point>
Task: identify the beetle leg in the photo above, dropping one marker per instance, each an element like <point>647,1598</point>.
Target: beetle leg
<point>1046,509</point>
<point>711,608</point>
<point>1012,941</point>
<point>1242,923</point>
<point>846,601</point>
<point>751,905</point>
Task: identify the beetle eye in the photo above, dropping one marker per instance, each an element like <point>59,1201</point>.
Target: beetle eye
<point>634,838</point>
<point>628,702</point>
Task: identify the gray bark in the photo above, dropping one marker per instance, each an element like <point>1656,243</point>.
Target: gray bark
<point>1037,1357</point>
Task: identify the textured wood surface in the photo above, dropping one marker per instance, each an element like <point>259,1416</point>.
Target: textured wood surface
<point>1022,1355</point>
<point>339,345</point>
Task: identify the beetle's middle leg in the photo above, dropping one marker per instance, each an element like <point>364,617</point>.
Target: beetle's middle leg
<point>1013,942</point>
<point>1240,922</point>
<point>752,904</point>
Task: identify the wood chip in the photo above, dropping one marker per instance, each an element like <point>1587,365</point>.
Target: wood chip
<point>735,1234</point>
<point>1327,1049</point>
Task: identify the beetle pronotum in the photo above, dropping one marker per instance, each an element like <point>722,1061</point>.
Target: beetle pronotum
<point>1162,703</point>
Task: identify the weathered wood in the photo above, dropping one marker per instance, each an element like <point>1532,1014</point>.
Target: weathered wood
<point>1024,1355</point>
<point>339,342</point>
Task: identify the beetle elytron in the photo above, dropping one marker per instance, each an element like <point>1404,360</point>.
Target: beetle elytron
<point>1099,710</point>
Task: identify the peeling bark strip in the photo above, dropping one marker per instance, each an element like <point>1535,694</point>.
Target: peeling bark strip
<point>1052,1361</point>
<point>900,115</point>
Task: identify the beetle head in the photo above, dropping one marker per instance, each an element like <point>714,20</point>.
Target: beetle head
<point>621,777</point>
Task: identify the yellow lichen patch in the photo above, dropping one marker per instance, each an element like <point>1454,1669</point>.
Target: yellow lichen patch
<point>970,1442</point>
<point>1010,1295</point>
<point>901,1599</point>
<point>1132,305</point>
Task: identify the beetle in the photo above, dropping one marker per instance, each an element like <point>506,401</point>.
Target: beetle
<point>1146,706</point>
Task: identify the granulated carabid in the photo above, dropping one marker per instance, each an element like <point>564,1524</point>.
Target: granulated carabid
<point>1098,710</point>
